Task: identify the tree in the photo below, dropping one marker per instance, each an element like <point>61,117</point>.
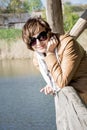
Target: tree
<point>4,3</point>
<point>18,6</point>
<point>25,6</point>
<point>35,5</point>
<point>14,6</point>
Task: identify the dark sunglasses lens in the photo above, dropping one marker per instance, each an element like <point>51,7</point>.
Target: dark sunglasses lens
<point>33,42</point>
<point>42,36</point>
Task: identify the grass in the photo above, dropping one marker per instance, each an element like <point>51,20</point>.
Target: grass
<point>10,34</point>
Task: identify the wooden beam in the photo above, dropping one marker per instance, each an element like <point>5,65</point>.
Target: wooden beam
<point>54,15</point>
<point>80,25</point>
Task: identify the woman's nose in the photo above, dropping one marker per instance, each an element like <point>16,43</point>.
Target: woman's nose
<point>38,42</point>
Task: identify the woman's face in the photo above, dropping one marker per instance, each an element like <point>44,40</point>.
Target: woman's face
<point>39,40</point>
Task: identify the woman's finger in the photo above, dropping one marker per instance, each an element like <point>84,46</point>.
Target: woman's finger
<point>47,90</point>
<point>42,90</point>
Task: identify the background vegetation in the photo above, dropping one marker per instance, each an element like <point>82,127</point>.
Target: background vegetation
<point>20,6</point>
<point>70,13</point>
<point>10,38</point>
<point>10,34</point>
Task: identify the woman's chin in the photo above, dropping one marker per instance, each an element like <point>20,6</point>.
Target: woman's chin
<point>42,50</point>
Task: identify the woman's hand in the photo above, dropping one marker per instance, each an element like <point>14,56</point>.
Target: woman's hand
<point>47,90</point>
<point>52,44</point>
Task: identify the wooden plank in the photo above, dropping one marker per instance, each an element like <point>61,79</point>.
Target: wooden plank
<point>80,25</point>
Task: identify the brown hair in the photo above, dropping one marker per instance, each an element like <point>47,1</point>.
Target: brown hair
<point>31,27</point>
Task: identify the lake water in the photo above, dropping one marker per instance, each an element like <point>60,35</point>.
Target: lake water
<point>22,106</point>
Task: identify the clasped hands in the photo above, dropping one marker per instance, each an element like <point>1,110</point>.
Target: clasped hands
<point>47,90</point>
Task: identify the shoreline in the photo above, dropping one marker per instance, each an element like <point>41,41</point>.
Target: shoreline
<point>14,50</point>
<point>17,49</point>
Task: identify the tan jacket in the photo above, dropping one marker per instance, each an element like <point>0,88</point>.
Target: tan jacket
<point>71,70</point>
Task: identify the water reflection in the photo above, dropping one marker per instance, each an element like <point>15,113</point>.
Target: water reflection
<point>17,68</point>
<point>22,106</point>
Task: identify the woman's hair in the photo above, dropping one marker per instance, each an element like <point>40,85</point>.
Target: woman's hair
<point>31,27</point>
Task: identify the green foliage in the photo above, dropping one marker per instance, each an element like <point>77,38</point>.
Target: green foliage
<point>19,6</point>
<point>14,6</point>
<point>44,14</point>
<point>70,21</point>
<point>25,6</point>
<point>70,17</point>
<point>10,34</point>
<point>35,5</point>
<point>76,8</point>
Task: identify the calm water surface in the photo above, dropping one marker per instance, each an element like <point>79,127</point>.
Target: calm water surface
<point>22,106</point>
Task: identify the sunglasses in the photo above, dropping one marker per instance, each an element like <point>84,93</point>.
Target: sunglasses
<point>41,37</point>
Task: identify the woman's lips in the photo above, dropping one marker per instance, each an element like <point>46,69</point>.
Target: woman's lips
<point>41,47</point>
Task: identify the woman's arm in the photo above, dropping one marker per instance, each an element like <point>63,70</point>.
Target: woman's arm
<point>63,73</point>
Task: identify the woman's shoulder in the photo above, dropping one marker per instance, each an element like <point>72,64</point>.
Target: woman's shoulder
<point>69,44</point>
<point>65,37</point>
<point>65,40</point>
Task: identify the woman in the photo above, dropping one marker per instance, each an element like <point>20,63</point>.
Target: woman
<point>62,62</point>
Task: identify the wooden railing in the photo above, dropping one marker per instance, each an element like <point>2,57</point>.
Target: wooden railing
<point>80,25</point>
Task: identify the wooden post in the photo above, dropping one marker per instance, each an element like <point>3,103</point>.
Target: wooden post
<point>54,15</point>
<point>80,25</point>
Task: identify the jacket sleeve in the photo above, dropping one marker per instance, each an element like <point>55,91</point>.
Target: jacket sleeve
<point>63,73</point>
